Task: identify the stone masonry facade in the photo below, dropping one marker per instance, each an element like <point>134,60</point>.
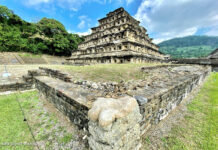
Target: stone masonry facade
<point>118,39</point>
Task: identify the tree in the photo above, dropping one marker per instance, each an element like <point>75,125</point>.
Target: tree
<point>50,27</point>
<point>5,13</point>
<point>47,36</point>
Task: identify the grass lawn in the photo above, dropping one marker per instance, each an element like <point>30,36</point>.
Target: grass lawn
<point>13,130</point>
<point>98,73</point>
<point>199,128</point>
<point>108,72</point>
<point>50,128</point>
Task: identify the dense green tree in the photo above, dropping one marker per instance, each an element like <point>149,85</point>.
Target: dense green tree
<point>46,36</point>
<point>10,39</point>
<point>50,27</point>
<point>190,46</point>
<point>5,13</point>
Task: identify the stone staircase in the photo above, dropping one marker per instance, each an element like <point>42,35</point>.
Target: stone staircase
<point>19,59</point>
<point>9,59</point>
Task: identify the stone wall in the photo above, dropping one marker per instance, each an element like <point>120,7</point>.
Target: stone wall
<point>215,69</point>
<point>75,111</point>
<point>8,59</point>
<point>13,58</point>
<point>57,74</point>
<point>157,106</point>
<point>53,86</point>
<point>14,83</point>
<point>15,86</point>
<point>144,69</point>
<point>199,61</point>
<point>154,105</point>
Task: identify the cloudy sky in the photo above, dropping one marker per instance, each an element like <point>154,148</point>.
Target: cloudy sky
<point>164,19</point>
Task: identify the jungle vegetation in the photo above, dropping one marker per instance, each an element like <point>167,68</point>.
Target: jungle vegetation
<point>47,36</point>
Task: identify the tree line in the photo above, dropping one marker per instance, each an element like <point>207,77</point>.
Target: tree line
<point>190,46</point>
<point>47,36</point>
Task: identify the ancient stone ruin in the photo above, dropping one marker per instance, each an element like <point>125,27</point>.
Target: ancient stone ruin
<point>115,115</point>
<point>213,57</point>
<point>212,60</point>
<point>118,39</point>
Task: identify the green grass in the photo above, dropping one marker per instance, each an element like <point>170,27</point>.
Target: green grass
<point>199,128</point>
<point>13,129</point>
<point>98,73</point>
<point>45,125</point>
<point>108,72</point>
<point>67,138</point>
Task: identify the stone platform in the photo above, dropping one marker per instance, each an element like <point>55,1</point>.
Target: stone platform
<point>161,91</point>
<point>71,99</point>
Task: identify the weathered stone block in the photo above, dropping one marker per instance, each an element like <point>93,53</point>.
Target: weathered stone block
<point>114,124</point>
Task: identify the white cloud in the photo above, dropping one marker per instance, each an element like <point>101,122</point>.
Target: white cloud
<point>73,5</point>
<point>129,1</point>
<point>175,18</point>
<point>36,2</point>
<point>168,35</point>
<point>80,33</point>
<point>157,41</point>
<point>81,24</point>
<point>84,21</point>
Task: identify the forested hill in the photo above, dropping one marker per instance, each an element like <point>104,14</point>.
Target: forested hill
<point>48,36</point>
<point>190,46</point>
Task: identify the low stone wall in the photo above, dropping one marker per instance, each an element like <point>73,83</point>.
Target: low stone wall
<point>155,107</point>
<point>57,74</point>
<point>144,69</point>
<point>8,59</point>
<point>55,60</point>
<point>215,69</point>
<point>13,58</point>
<point>107,87</point>
<point>11,83</point>
<point>69,105</point>
<point>15,86</point>
<point>199,61</point>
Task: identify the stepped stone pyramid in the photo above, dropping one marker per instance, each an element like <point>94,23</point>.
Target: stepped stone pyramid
<point>118,39</point>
